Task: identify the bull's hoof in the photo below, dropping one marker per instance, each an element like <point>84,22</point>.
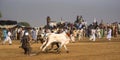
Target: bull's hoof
<point>58,52</point>
<point>20,46</point>
<point>67,51</point>
<point>47,50</point>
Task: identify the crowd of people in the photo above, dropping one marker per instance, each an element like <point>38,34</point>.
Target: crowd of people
<point>78,29</point>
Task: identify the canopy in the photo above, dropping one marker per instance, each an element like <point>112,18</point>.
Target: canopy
<point>7,23</point>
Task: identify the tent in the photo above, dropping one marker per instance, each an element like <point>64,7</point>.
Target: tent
<point>7,23</point>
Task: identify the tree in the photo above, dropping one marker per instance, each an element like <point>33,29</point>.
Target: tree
<point>24,24</point>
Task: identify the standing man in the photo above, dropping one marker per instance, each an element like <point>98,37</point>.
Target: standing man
<point>93,37</point>
<point>109,33</point>
<point>26,43</point>
<point>34,35</point>
<point>4,31</point>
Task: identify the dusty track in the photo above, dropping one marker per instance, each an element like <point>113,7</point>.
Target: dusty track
<point>81,50</point>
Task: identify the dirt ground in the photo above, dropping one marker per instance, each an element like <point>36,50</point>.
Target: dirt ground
<point>101,49</point>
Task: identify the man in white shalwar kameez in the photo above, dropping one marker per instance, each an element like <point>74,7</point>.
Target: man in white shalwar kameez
<point>98,32</point>
<point>109,34</point>
<point>8,38</point>
<point>93,37</point>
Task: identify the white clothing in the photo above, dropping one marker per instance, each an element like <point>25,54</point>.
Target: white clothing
<point>98,33</point>
<point>8,38</point>
<point>109,34</point>
<point>93,35</point>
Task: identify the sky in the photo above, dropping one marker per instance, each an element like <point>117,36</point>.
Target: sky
<point>36,11</point>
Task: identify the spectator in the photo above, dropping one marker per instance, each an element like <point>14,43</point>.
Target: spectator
<point>34,35</point>
<point>7,37</point>
<point>109,34</point>
<point>26,43</point>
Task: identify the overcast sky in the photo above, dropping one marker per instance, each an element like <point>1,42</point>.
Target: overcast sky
<point>36,11</point>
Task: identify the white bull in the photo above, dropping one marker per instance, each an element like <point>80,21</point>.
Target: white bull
<point>61,38</point>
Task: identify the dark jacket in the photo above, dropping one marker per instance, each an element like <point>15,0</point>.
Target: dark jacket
<point>25,42</point>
